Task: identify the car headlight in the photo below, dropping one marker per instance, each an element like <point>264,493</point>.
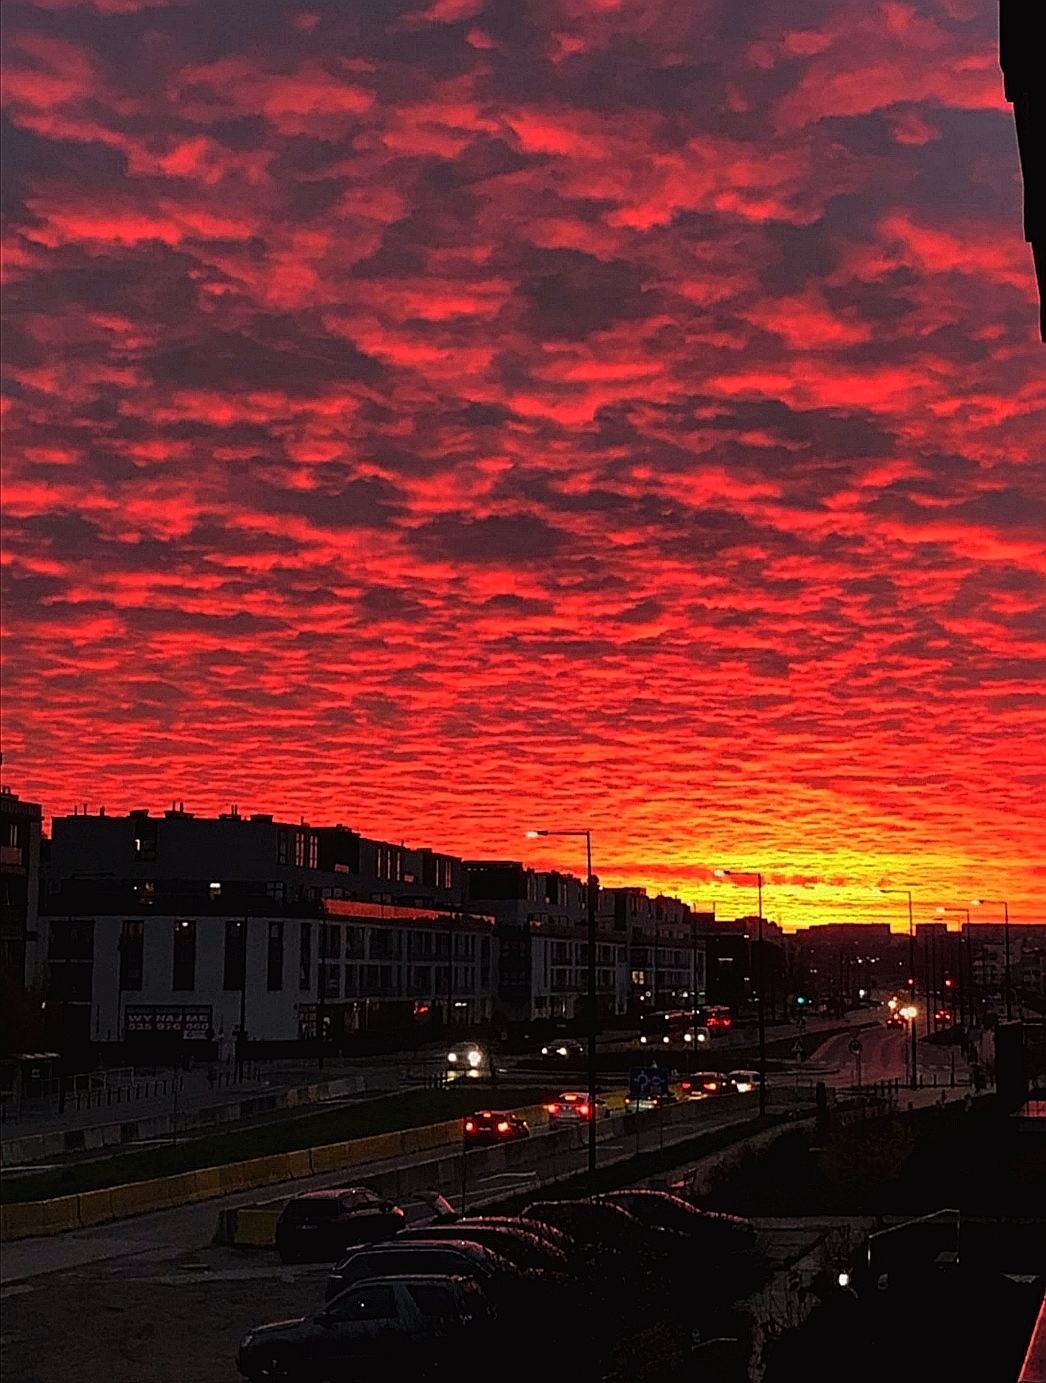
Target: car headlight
<point>452,1056</point>
<point>643,1040</point>
<point>562,1051</point>
<point>544,1051</point>
<point>475,1058</point>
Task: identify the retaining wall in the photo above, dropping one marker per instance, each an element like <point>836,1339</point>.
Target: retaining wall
<point>41,1147</point>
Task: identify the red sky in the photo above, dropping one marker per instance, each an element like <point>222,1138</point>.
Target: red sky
<point>449,420</point>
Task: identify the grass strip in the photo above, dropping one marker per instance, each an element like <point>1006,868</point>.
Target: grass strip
<point>387,1114</point>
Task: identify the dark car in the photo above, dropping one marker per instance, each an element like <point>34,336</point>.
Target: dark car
<point>547,1234</point>
<point>491,1126</point>
<point>402,1326</point>
<point>319,1226</point>
<point>704,1083</point>
<point>454,1257</point>
<point>562,1049</point>
<point>713,1234</point>
<point>593,1224</point>
<point>512,1242</point>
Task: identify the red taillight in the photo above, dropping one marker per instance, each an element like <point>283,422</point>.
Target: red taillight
<point>584,1110</point>
<point>685,1085</point>
<point>552,1108</point>
<point>710,1085</point>
<point>503,1127</point>
<point>470,1127</point>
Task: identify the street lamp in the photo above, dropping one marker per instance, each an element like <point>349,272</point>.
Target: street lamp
<point>533,835</point>
<point>911,974</point>
<point>740,877</point>
<point>996,903</point>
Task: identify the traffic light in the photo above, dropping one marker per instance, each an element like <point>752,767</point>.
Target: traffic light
<point>800,999</point>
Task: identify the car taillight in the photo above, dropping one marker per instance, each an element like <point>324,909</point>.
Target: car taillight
<point>710,1084</point>
<point>552,1108</point>
<point>685,1085</point>
<point>503,1126</point>
<point>583,1109</point>
<point>470,1127</point>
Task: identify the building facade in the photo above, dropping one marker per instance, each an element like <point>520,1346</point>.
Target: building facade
<point>21,959</point>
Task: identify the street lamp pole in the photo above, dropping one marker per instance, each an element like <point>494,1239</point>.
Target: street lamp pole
<point>997,903</point>
<point>759,971</point>
<point>592,1018</point>
<point>911,976</point>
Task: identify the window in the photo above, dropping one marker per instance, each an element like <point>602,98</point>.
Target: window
<point>299,849</point>
<point>330,941</point>
<point>434,1303</point>
<point>184,971</point>
<point>235,955</point>
<point>132,948</point>
<point>375,1303</point>
<point>282,850</point>
<point>305,956</point>
<point>314,850</point>
<point>274,979</point>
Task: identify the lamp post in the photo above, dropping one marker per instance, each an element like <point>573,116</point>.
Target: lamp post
<point>741,877</point>
<point>533,835</point>
<point>997,903</point>
<point>911,976</point>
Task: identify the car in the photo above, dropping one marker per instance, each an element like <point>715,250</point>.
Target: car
<point>415,1321</point>
<point>458,1257</point>
<point>574,1106</point>
<point>562,1049</point>
<point>895,1021</point>
<point>467,1059</point>
<point>636,1103</point>
<point>490,1126</point>
<point>508,1238</point>
<point>717,1234</point>
<point>744,1082</point>
<point>702,1084</point>
<point>318,1226</point>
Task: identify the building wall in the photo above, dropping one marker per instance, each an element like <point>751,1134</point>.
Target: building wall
<point>21,962</point>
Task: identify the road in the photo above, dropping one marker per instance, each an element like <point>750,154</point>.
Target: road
<point>884,1056</point>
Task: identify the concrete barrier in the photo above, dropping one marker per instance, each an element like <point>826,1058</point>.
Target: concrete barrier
<point>255,1226</point>
<point>137,1198</point>
<point>95,1207</point>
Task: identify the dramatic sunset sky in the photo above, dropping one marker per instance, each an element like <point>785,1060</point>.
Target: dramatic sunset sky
<point>453,418</point>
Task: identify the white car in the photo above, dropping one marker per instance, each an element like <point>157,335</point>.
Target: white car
<point>744,1081</point>
<point>574,1107</point>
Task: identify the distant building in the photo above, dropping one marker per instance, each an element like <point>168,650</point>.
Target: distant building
<point>21,962</point>
<point>666,949</point>
<point>201,925</point>
<point>542,930</point>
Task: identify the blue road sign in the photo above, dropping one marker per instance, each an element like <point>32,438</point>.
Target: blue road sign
<point>647,1081</point>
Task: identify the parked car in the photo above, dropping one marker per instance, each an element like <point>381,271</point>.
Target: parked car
<point>518,1245</point>
<point>319,1226</point>
<point>377,1327</point>
<point>549,1235</point>
<point>457,1257</point>
<point>744,1082</point>
<point>491,1126</point>
<point>704,1083</point>
<point>575,1107</point>
<point>716,1233</point>
<point>562,1049</point>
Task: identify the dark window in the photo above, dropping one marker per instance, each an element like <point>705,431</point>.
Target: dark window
<point>274,978</point>
<point>354,943</point>
<point>305,956</point>
<point>71,941</point>
<point>184,970</point>
<point>434,1303</point>
<point>330,941</point>
<point>144,840</point>
<point>132,948</point>
<point>235,955</point>
<point>375,1303</point>
<point>282,847</point>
